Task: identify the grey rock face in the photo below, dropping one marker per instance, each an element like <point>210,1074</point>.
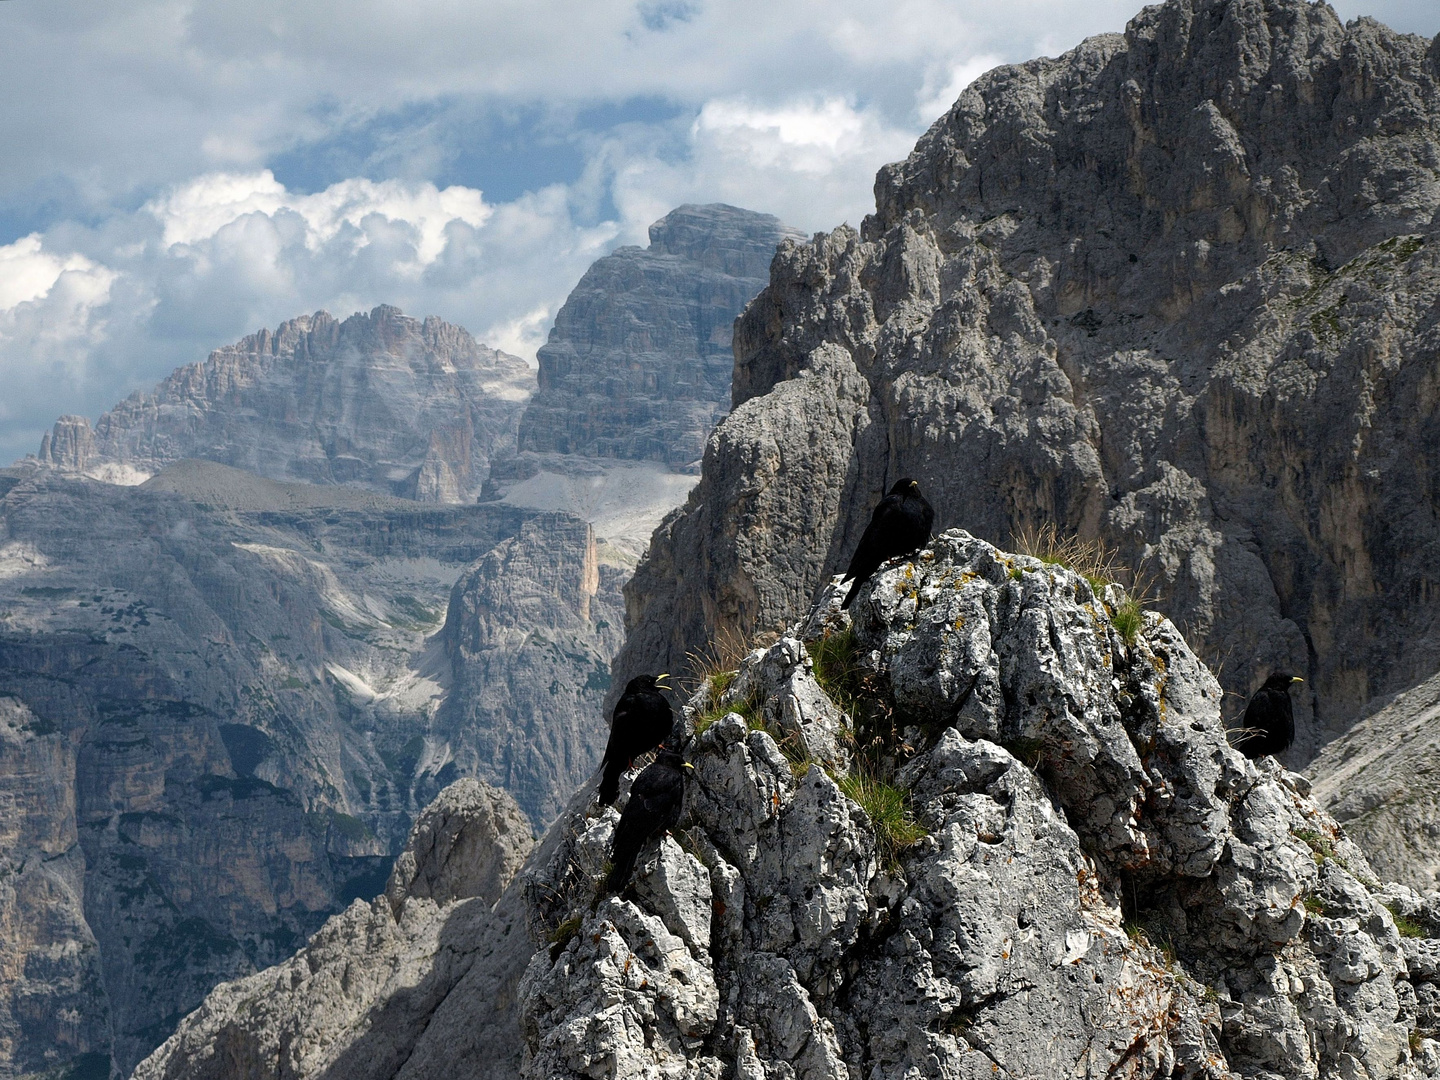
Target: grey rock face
<point>469,842</point>
<point>1101,887</point>
<point>529,635</point>
<point>356,1000</point>
<point>1379,781</point>
<point>224,700</point>
<point>1170,290</point>
<point>638,364</point>
<point>379,401</point>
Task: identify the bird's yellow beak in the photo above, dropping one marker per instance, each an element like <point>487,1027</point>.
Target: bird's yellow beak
<point>1296,678</point>
<point>687,765</point>
<point>662,675</point>
<point>915,484</point>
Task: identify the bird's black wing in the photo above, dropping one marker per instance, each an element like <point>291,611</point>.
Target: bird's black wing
<point>656,798</point>
<point>1269,723</point>
<point>875,540</point>
<point>617,756</point>
<point>655,721</point>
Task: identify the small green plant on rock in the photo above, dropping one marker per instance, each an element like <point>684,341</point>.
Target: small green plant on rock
<point>1028,752</point>
<point>1091,559</point>
<point>1128,620</point>
<point>719,683</point>
<point>888,808</point>
<point>1321,846</point>
<point>837,667</point>
<point>1407,926</point>
<point>561,935</point>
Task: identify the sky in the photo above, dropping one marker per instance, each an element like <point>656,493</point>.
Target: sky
<point>178,174</point>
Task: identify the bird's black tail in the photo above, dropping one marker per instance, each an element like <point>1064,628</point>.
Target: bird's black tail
<point>609,783</point>
<point>620,872</point>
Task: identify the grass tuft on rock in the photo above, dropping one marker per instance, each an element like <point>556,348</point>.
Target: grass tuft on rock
<point>1407,926</point>
<point>561,935</point>
<point>719,682</point>
<point>888,808</point>
<point>721,656</point>
<point>1091,559</point>
<point>837,667</point>
<point>1128,620</point>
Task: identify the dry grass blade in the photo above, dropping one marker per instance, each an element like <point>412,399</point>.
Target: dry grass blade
<point>1091,559</point>
<point>720,656</point>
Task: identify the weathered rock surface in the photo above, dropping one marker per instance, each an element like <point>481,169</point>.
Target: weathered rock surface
<point>1174,290</point>
<point>281,694</point>
<point>356,1000</point>
<point>380,401</point>
<point>1102,886</point>
<point>224,700</point>
<point>638,363</point>
<point>1379,780</point>
<point>529,635</point>
<point>637,372</point>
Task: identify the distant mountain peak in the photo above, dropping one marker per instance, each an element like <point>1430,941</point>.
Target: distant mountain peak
<point>383,401</point>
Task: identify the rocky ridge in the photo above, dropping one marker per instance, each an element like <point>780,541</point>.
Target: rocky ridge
<point>636,374</point>
<point>1093,882</point>
<point>379,401</point>
<point>357,1000</point>
<point>316,660</point>
<point>1173,290</point>
<point>224,700</point>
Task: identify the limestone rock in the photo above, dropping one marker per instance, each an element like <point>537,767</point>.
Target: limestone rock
<point>1169,290</point>
<point>638,363</point>
<point>356,1000</point>
<point>1100,886</point>
<point>469,842</point>
<point>225,699</point>
<point>529,633</point>
<point>380,401</point>
<point>1379,781</point>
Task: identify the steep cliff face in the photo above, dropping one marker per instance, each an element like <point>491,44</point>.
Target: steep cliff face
<point>1379,780</point>
<point>380,401</point>
<point>529,635</point>
<point>1065,872</point>
<point>1174,290</point>
<point>356,1002</point>
<point>638,364</point>
<point>224,699</point>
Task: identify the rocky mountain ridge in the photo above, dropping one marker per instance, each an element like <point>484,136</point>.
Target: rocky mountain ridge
<point>224,697</point>
<point>225,700</point>
<point>636,373</point>
<point>391,404</point>
<point>1172,291</point>
<point>1092,883</point>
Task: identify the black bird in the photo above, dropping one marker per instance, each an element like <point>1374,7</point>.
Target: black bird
<point>1269,724</point>
<point>655,800</point>
<point>641,721</point>
<point>899,526</point>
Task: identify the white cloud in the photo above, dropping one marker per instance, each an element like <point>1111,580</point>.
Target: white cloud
<point>227,253</point>
<point>930,104</point>
<point>27,272</point>
<point>144,187</point>
<point>200,209</point>
<point>522,336</point>
<point>802,137</point>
